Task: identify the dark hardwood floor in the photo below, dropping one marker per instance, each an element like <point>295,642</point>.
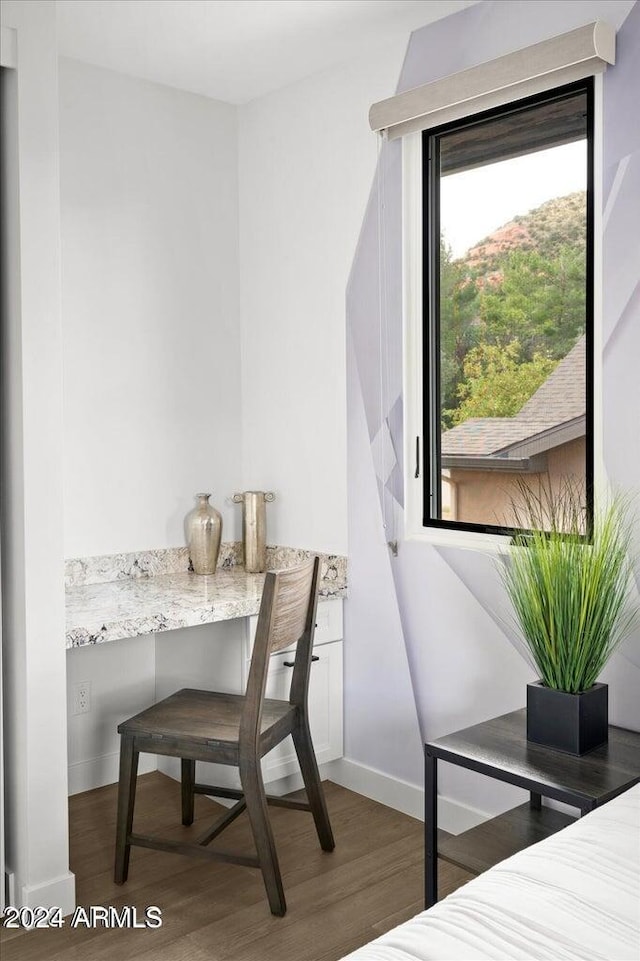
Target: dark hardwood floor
<point>219,912</point>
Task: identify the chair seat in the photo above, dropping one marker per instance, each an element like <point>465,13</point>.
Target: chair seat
<point>203,716</point>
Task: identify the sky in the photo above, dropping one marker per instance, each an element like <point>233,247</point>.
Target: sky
<point>476,202</point>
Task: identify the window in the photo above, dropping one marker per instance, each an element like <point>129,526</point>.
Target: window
<point>508,309</point>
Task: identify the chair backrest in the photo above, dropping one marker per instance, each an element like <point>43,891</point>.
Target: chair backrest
<point>287,617</point>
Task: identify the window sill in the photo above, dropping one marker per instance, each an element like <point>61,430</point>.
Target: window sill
<point>494,544</point>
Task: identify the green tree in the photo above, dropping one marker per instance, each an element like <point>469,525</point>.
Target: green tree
<point>527,302</point>
<point>540,302</point>
<point>458,310</point>
<point>497,381</point>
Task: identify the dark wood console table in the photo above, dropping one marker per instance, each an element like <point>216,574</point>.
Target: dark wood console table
<point>499,749</point>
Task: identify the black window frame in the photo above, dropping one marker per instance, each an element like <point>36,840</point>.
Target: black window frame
<point>431,431</point>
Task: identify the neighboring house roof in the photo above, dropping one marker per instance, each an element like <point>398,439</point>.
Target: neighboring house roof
<point>482,436</point>
<point>554,415</point>
<point>562,396</point>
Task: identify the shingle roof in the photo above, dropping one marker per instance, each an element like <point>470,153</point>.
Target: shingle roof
<point>562,396</point>
<point>483,436</point>
<point>560,399</point>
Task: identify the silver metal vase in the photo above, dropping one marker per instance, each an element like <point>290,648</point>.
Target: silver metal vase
<point>204,530</point>
<point>254,528</point>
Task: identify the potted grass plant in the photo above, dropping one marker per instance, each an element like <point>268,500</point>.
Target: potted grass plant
<point>571,593</point>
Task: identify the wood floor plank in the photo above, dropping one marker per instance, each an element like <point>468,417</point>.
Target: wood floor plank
<point>181,949</point>
<point>331,922</point>
<point>219,912</point>
<point>501,837</point>
<point>247,931</point>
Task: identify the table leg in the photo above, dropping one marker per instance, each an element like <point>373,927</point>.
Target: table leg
<point>535,801</point>
<point>430,829</point>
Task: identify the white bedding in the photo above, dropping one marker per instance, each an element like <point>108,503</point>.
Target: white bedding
<point>574,895</point>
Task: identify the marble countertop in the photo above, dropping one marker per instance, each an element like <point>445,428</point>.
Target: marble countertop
<point>133,606</point>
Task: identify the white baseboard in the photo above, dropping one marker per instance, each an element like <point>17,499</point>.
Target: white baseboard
<point>284,785</point>
<point>453,816</point>
<point>294,782</point>
<point>99,771</point>
<point>401,795</point>
<point>57,893</point>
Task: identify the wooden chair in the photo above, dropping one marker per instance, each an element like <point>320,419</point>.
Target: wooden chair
<point>237,730</point>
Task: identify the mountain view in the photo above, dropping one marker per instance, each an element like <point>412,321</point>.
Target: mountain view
<point>511,308</point>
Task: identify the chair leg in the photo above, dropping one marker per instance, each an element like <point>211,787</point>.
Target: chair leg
<point>126,801</point>
<point>188,795</point>
<point>311,777</point>
<point>253,788</point>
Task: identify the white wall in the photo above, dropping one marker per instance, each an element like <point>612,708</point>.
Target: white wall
<point>122,682</point>
<point>307,157</point>
<point>149,201</point>
<point>10,386</point>
<point>32,519</point>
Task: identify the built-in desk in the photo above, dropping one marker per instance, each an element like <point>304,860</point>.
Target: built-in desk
<point>132,606</point>
<point>145,602</point>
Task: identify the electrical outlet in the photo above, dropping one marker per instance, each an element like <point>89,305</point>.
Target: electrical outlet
<point>82,697</point>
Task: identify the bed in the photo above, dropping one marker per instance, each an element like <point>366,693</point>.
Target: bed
<point>575,895</point>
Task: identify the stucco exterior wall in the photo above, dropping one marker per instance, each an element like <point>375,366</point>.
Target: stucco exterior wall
<point>484,497</point>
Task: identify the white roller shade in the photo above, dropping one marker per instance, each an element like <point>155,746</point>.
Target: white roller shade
<point>551,63</point>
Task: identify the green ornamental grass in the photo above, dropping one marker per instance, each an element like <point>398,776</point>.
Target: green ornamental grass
<point>571,593</point>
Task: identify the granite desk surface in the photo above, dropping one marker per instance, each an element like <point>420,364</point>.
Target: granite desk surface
<point>132,606</point>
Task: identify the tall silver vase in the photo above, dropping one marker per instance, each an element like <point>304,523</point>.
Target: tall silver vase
<point>204,530</point>
<point>254,528</point>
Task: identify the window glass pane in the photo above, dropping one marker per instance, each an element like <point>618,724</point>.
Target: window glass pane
<point>511,228</point>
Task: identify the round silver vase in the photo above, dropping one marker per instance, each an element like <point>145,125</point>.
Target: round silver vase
<point>204,531</point>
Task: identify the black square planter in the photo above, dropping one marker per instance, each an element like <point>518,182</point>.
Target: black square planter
<point>575,723</point>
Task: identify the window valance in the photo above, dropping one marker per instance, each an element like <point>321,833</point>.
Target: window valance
<point>531,70</point>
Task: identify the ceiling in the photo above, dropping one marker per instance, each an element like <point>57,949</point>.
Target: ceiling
<point>234,50</point>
